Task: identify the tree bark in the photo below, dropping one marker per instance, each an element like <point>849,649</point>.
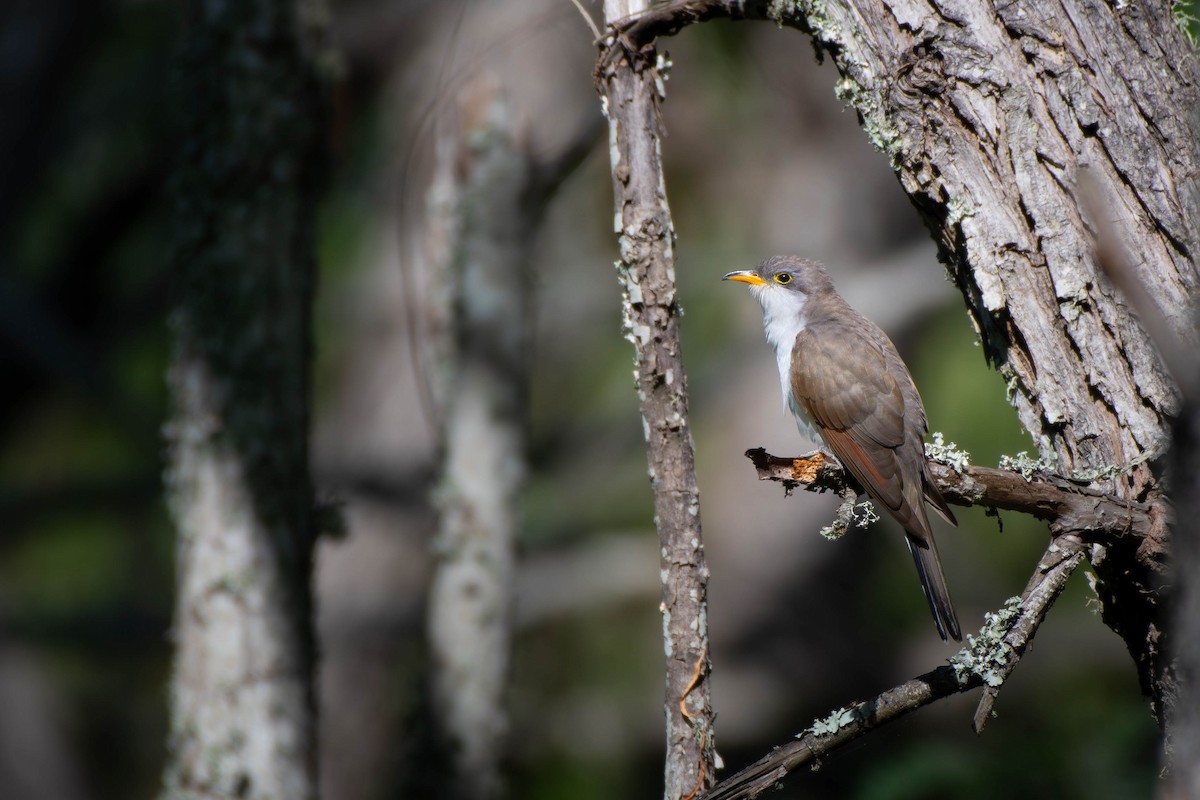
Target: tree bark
<point>631,85</point>
<point>245,186</point>
<point>1042,144</point>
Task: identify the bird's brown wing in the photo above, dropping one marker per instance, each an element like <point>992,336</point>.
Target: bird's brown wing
<point>858,407</point>
<point>841,379</point>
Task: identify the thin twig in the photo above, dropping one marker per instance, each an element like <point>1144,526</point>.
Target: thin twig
<point>591,23</point>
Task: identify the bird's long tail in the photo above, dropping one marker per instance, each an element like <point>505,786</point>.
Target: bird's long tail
<point>929,568</point>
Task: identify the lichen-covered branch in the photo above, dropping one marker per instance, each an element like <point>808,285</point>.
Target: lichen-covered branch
<point>1065,504</point>
<point>995,664</point>
<point>987,661</point>
<point>631,87</point>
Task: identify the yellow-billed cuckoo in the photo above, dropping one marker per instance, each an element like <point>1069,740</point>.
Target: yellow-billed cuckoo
<point>844,381</point>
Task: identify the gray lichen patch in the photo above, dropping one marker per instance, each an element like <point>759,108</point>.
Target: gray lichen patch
<point>988,655</point>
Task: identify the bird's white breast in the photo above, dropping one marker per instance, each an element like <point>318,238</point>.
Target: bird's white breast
<point>783,320</point>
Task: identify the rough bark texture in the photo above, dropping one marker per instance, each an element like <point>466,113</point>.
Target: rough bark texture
<point>478,252</point>
<point>242,720</point>
<point>631,86</point>
<point>1026,134</point>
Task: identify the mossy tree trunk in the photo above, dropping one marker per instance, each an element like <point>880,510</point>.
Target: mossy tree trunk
<point>245,186</point>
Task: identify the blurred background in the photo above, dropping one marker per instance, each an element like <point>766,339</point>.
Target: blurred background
<point>761,159</point>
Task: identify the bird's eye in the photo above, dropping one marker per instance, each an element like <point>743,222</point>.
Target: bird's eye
<point>783,278</point>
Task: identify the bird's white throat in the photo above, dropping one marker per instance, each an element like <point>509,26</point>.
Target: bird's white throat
<point>783,320</point>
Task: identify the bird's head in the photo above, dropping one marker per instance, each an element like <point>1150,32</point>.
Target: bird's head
<point>783,281</point>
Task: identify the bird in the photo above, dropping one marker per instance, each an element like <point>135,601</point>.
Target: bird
<point>844,382</point>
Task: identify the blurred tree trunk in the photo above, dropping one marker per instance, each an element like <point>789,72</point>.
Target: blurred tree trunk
<point>245,186</point>
<point>484,207</point>
<point>478,237</point>
<point>1182,752</point>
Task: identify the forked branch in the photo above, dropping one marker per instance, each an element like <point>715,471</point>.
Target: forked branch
<point>987,661</point>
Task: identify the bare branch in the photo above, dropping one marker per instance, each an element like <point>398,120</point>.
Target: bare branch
<point>841,727</point>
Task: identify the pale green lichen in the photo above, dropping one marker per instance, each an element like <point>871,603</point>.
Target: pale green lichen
<point>813,14</point>
<point>864,514</point>
<point>1105,473</point>
<point>957,210</point>
<point>780,10</point>
<point>1093,603</point>
<point>848,513</point>
<point>879,131</point>
<point>819,20</point>
<point>833,723</point>
<point>1012,383</point>
<point>948,454</point>
<point>1028,466</point>
<point>988,654</point>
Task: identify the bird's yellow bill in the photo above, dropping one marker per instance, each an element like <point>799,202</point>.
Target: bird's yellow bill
<point>745,276</point>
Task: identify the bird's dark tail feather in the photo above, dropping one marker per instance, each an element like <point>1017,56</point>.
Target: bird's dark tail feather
<point>929,568</point>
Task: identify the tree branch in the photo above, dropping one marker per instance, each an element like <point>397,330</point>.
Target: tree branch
<point>1065,504</point>
<point>631,87</point>
<point>987,661</point>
